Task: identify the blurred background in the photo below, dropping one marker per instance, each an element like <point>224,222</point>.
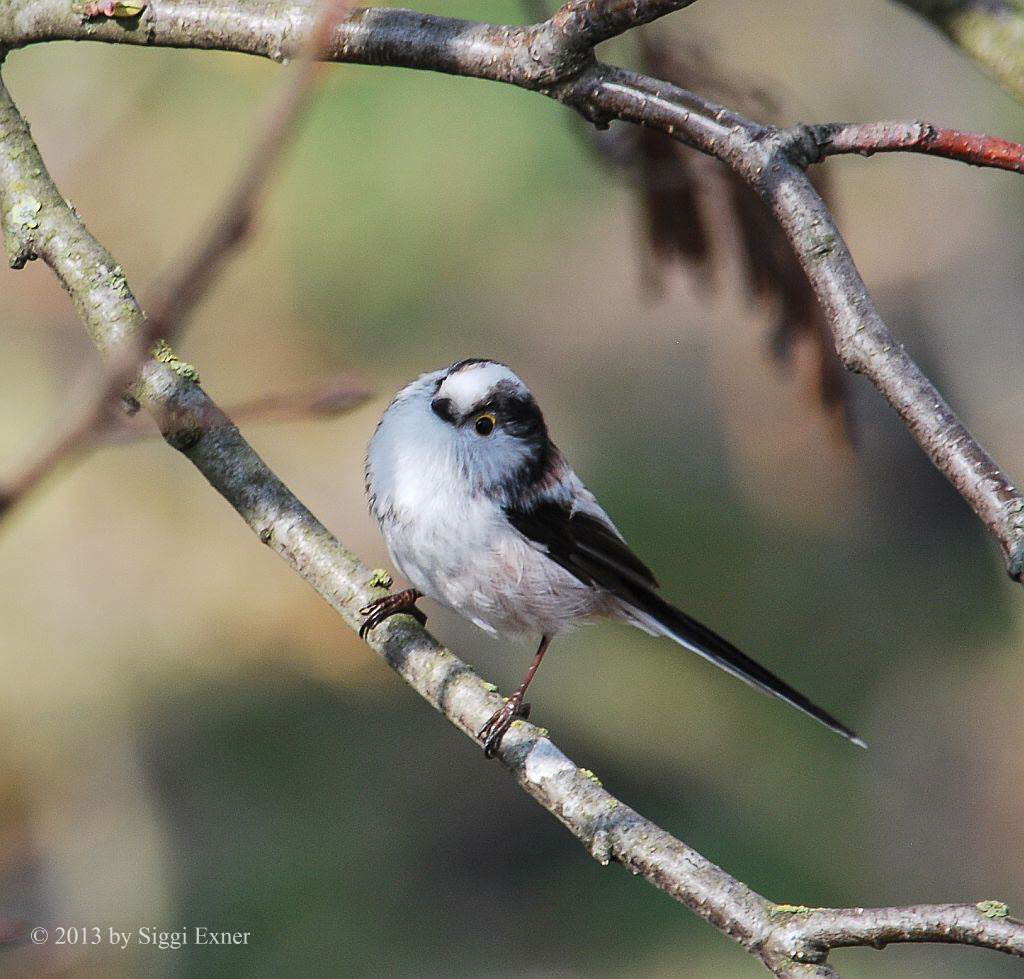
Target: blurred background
<point>188,735</point>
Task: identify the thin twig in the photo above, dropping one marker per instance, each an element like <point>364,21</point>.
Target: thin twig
<point>275,129</point>
<point>919,137</point>
<point>183,288</point>
<point>334,397</point>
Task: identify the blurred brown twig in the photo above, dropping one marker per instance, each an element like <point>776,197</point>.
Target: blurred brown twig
<point>333,397</point>
<point>184,286</point>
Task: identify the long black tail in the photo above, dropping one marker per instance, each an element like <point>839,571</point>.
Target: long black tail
<point>656,614</point>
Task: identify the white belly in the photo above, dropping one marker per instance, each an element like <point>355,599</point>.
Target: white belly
<point>470,559</point>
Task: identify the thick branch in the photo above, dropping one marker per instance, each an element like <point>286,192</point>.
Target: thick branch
<point>990,31</point>
<point>183,288</point>
<point>37,221</point>
<point>194,425</point>
<point>534,58</point>
<point>529,56</point>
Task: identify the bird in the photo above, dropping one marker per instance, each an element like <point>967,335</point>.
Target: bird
<point>482,513</point>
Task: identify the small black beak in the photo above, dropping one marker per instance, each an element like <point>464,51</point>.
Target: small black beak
<point>442,407</point>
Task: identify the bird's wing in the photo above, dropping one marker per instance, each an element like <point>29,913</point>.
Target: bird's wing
<point>583,543</point>
<point>591,549</point>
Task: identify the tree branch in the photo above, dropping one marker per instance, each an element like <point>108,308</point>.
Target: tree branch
<point>273,132</point>
<point>990,31</point>
<point>191,422</point>
<point>329,399</point>
<point>542,57</point>
<point>586,23</point>
<point>792,941</point>
<point>182,289</point>
<point>919,137</point>
<point>774,162</point>
<point>866,346</point>
<point>986,923</point>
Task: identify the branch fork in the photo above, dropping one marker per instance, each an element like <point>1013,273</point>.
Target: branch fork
<point>554,57</point>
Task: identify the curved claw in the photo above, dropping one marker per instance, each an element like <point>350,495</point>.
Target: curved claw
<point>500,721</point>
<point>383,608</point>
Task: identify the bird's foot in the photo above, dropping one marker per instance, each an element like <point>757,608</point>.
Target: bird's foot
<point>501,720</point>
<point>383,608</point>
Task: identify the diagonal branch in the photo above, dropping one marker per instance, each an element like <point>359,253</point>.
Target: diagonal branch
<point>274,131</point>
<point>181,290</point>
<point>542,58</point>
<point>774,162</point>
<point>791,941</point>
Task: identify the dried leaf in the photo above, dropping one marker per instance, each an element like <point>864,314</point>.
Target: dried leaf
<point>675,227</point>
<point>682,229</point>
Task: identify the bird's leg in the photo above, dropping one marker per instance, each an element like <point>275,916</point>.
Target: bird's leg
<point>501,720</point>
<point>383,608</point>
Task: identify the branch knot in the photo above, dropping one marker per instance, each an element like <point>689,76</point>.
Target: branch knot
<point>802,144</point>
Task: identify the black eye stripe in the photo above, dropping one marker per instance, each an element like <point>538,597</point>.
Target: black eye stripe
<point>517,412</point>
<point>512,409</point>
<point>442,407</point>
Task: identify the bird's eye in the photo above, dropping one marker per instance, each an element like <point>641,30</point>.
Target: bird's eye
<point>484,425</point>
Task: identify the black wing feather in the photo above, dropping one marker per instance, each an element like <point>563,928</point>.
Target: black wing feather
<point>590,550</point>
<point>582,544</point>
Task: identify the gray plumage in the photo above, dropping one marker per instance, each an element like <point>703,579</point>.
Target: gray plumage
<point>481,512</point>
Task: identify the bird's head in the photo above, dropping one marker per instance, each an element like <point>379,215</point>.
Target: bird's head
<point>475,421</point>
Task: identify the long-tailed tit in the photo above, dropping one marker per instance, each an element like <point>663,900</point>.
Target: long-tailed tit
<point>481,512</point>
